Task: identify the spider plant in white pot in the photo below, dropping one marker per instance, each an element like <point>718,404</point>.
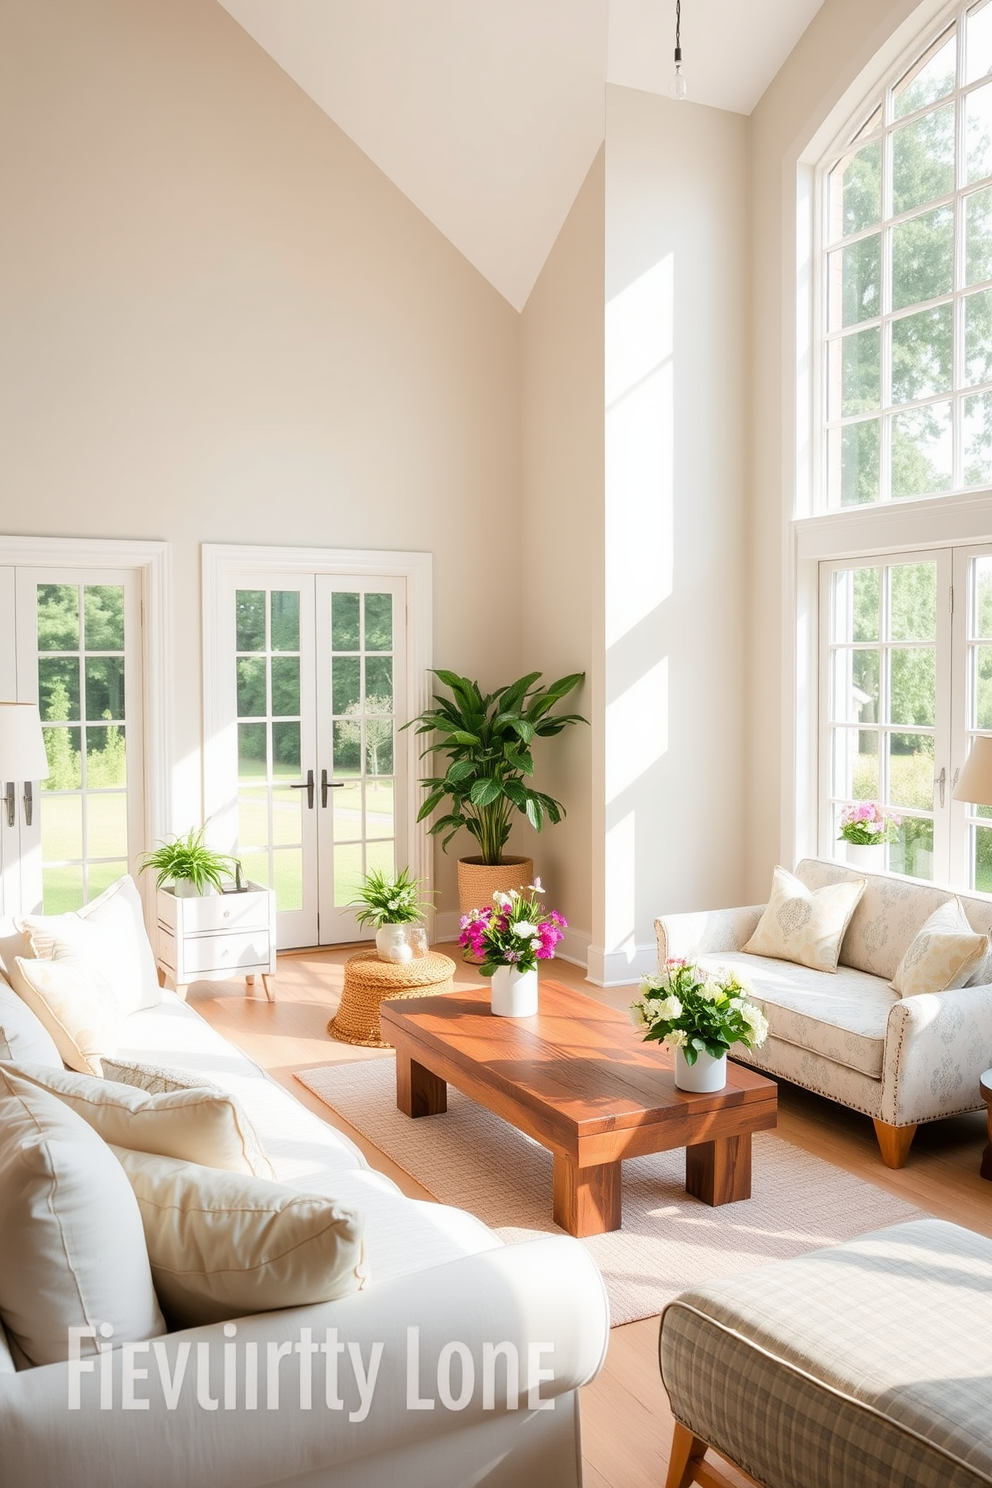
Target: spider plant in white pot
<point>191,866</point>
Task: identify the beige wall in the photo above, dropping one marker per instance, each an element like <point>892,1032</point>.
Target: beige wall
<point>842,40</point>
<point>561,540</point>
<point>676,278</point>
<point>222,323</point>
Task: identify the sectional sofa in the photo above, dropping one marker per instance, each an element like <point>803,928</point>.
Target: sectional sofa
<point>439,1284</point>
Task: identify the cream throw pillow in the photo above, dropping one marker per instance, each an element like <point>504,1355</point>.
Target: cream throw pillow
<point>70,1231</point>
<point>194,1124</point>
<point>110,933</point>
<point>942,955</point>
<point>157,1081</point>
<point>23,1036</point>
<point>805,925</point>
<point>222,1245</point>
<point>76,1005</point>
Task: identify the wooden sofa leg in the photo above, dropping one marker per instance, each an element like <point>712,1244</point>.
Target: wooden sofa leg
<point>686,1454</point>
<point>894,1143</point>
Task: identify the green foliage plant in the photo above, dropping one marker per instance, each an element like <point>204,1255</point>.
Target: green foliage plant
<point>383,900</point>
<point>487,743</point>
<point>189,859</point>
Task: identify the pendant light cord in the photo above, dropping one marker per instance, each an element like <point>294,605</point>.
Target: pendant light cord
<point>678,30</point>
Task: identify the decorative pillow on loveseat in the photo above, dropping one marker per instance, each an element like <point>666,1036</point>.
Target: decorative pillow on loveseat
<point>944,954</point>
<point>109,933</point>
<point>222,1245</point>
<point>806,926</point>
<point>194,1123</point>
<point>71,1235</point>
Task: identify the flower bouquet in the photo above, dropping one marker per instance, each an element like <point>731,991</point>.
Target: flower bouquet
<point>699,1016</point>
<point>867,824</point>
<point>389,905</point>
<point>508,938</point>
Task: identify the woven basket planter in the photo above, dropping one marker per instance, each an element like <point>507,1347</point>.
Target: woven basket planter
<point>479,881</point>
<point>367,981</point>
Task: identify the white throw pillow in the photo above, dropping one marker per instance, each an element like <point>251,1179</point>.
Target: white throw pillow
<point>158,1081</point>
<point>70,1231</point>
<point>75,1003</point>
<point>804,925</point>
<point>943,954</point>
<point>110,933</point>
<point>23,1036</point>
<point>192,1123</point>
<point>222,1245</point>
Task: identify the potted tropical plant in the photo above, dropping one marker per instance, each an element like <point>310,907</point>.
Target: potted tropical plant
<point>486,742</point>
<point>389,906</point>
<point>191,866</point>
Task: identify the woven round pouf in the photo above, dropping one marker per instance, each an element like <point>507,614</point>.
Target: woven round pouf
<point>367,980</point>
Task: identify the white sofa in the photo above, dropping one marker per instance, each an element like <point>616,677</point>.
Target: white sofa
<point>432,1268</point>
<point>847,1035</point>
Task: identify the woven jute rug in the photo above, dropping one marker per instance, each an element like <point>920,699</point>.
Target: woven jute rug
<point>476,1161</point>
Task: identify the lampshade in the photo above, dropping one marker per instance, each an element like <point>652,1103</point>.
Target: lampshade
<point>975,781</point>
<point>22,748</point>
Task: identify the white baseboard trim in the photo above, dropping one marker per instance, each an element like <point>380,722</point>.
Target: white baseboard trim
<point>447,926</point>
<point>620,968</point>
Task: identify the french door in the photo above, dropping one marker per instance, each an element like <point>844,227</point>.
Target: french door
<point>78,654</point>
<point>309,773</point>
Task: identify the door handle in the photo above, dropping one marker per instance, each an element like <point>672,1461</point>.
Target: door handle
<point>941,783</point>
<point>326,785</point>
<point>306,785</point>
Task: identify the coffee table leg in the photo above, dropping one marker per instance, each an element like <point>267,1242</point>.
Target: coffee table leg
<point>418,1091</point>
<point>586,1200</point>
<point>719,1172</point>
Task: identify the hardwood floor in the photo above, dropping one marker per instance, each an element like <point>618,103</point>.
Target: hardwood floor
<point>626,1424</point>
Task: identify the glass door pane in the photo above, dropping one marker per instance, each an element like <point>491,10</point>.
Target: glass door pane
<point>271,685</point>
<point>361,675</point>
<point>977,699</point>
<point>83,632</point>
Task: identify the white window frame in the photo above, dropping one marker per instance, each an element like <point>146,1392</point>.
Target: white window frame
<point>860,534</point>
<point>831,144</point>
<point>151,562</point>
<point>222,560</point>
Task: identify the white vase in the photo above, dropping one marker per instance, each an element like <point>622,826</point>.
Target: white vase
<point>861,855</point>
<point>391,944</point>
<point>704,1077</point>
<point>514,992</point>
<point>185,888</point>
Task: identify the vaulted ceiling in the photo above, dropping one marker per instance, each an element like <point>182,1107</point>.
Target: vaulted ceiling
<point>488,113</point>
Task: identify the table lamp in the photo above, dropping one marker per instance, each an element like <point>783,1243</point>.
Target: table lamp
<point>22,754</point>
<point>974,784</point>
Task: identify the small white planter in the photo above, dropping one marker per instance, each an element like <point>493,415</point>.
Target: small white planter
<point>185,888</point>
<point>514,992</point>
<point>392,944</point>
<point>703,1077</point>
<point>872,858</point>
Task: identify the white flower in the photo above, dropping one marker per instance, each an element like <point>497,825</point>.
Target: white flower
<point>638,1015</point>
<point>502,901</point>
<point>676,1039</point>
<point>667,1010</point>
<point>756,1021</point>
<point>536,887</point>
<point>710,991</point>
<point>524,929</point>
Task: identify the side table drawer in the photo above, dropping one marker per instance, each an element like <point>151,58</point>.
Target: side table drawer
<point>220,952</point>
<point>224,912</point>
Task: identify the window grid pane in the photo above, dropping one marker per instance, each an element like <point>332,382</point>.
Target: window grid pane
<point>906,362</point>
<point>882,700</point>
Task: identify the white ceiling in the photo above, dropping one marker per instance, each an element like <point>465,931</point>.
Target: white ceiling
<point>488,113</point>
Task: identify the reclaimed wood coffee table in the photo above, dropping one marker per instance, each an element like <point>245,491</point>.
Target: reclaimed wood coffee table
<point>578,1078</point>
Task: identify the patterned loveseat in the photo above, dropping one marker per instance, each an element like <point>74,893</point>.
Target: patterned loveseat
<point>847,1035</point>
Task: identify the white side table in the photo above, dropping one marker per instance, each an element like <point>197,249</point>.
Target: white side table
<point>217,936</point>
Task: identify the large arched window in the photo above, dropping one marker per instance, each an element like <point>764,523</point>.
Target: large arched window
<point>906,282</point>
